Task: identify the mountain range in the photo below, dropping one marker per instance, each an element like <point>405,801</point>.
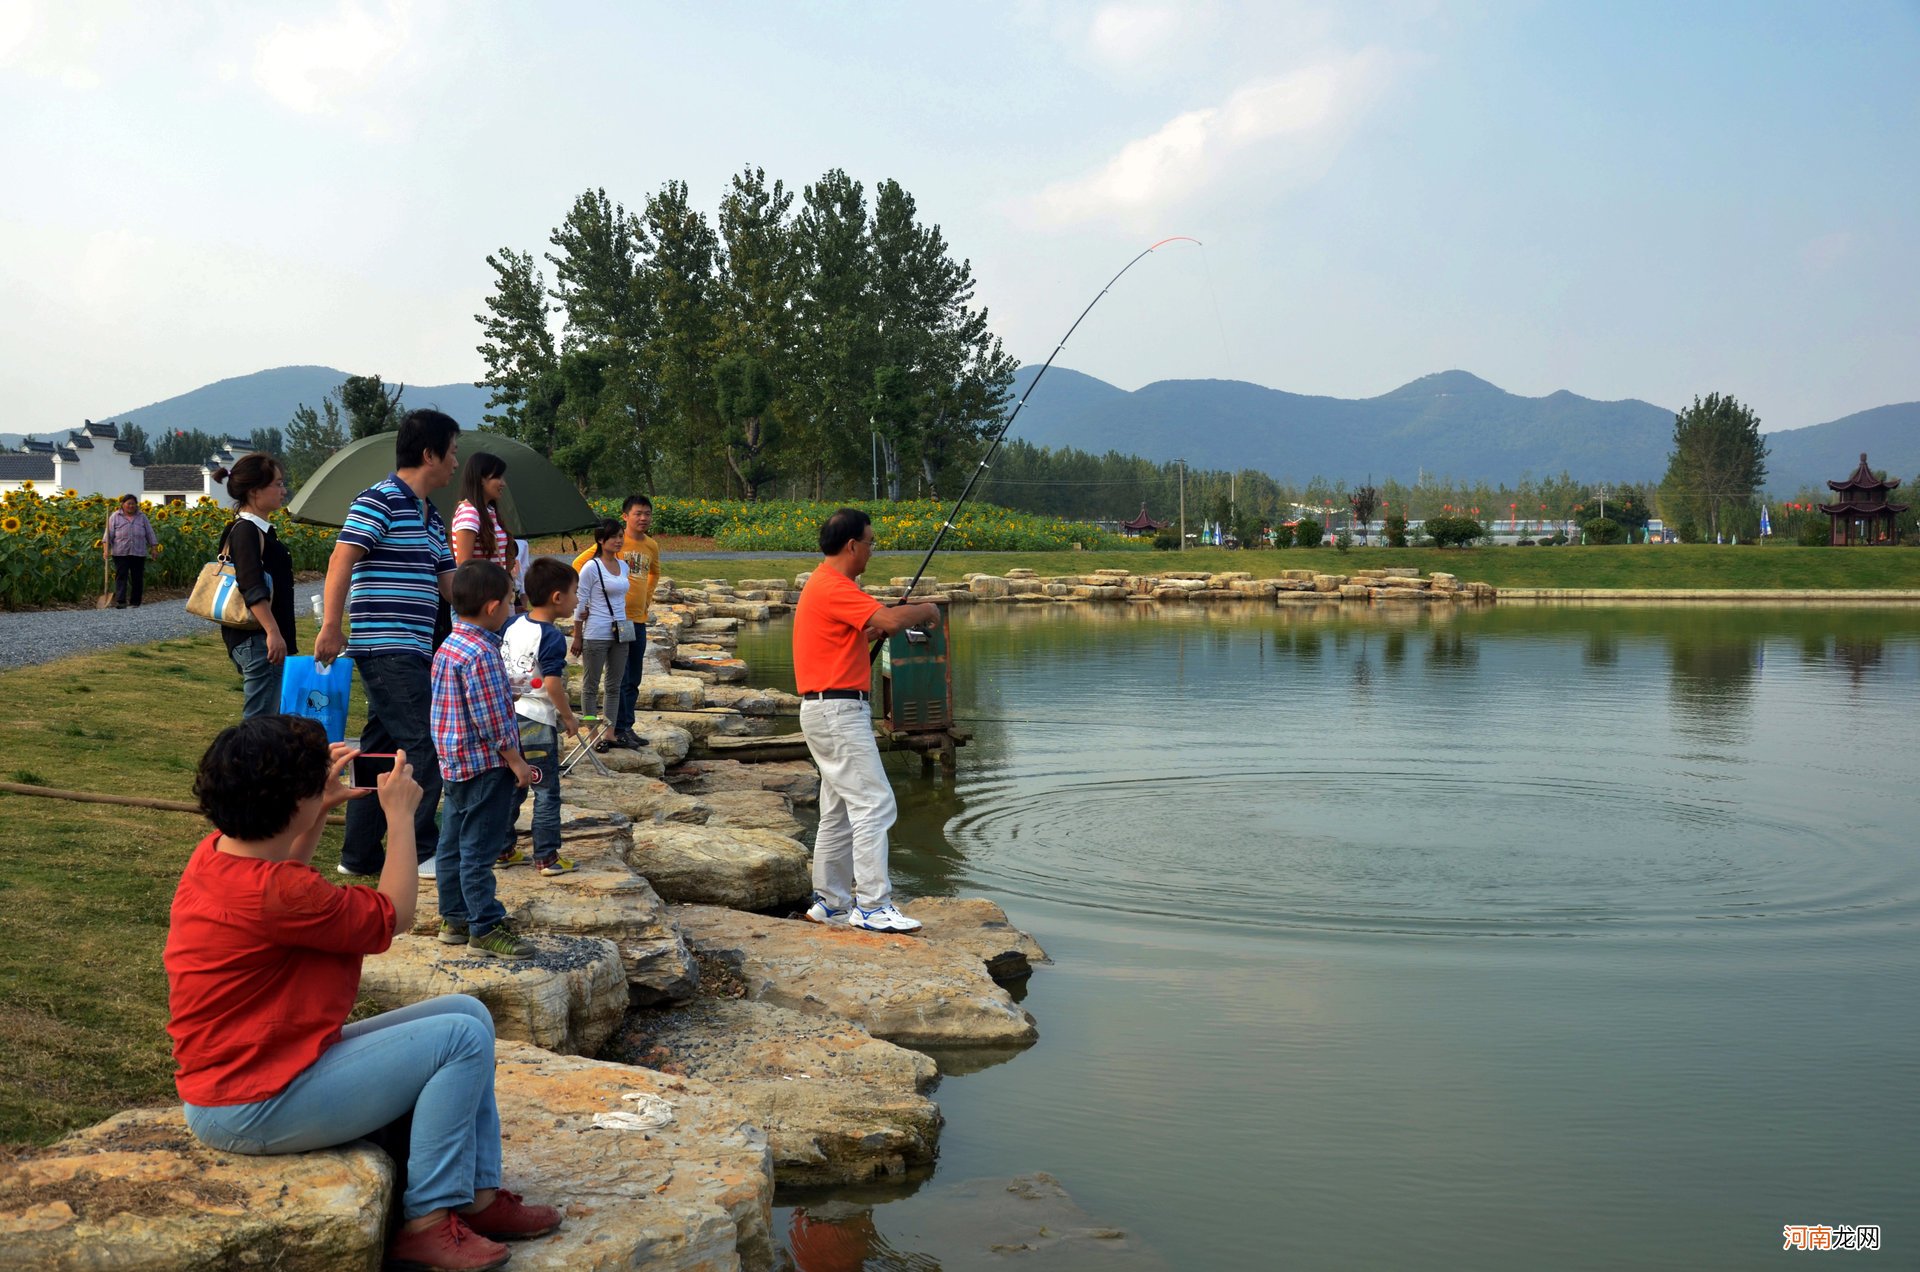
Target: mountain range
<point>1450,424</point>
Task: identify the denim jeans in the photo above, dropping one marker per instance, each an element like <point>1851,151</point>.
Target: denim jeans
<point>856,803</point>
<point>478,818</point>
<point>630,679</point>
<point>435,1058</point>
<point>260,678</point>
<point>399,689</point>
<point>540,744</point>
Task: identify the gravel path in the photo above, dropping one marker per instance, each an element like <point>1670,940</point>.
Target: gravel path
<point>39,636</point>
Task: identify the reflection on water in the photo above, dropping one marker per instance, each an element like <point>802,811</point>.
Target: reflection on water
<point>1505,937</point>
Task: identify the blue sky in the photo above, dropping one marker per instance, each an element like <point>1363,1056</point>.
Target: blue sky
<point>1623,200</point>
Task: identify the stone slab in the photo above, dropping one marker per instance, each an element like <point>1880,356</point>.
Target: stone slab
<point>138,1191</point>
<point>603,898</point>
<point>753,810</point>
<point>569,997</point>
<point>838,1105</point>
<point>900,988</point>
<point>976,926</point>
<point>693,1196</point>
<point>798,780</point>
<point>722,865</point>
<point>636,796</point>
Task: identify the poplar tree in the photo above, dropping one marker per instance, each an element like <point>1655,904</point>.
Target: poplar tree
<point>1719,463</point>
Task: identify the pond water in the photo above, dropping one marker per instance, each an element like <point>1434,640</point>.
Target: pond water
<point>1505,938</point>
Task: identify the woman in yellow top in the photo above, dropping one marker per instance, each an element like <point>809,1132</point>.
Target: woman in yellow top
<point>642,557</point>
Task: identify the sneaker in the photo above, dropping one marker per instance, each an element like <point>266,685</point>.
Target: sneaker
<point>453,932</point>
<point>512,857</point>
<point>507,1218</point>
<point>501,942</point>
<point>629,739</point>
<point>354,876</point>
<point>428,870</point>
<point>447,1246</point>
<point>558,866</point>
<point>884,918</point>
<point>821,912</point>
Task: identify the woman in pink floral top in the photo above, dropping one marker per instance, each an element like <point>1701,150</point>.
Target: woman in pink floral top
<point>478,534</point>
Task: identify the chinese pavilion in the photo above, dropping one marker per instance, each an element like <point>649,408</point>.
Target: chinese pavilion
<point>1142,524</point>
<point>1862,514</point>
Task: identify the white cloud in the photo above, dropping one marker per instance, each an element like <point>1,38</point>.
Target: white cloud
<point>333,65</point>
<point>1125,36</point>
<point>1285,127</point>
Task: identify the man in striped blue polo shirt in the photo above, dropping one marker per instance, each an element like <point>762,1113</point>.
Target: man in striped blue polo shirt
<point>389,570</point>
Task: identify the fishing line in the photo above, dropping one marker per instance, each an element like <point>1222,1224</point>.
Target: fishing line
<point>1007,424</point>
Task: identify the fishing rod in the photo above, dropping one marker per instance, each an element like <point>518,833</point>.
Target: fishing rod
<point>1007,425</point>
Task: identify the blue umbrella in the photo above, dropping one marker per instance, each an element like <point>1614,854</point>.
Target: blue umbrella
<point>1766,525</point>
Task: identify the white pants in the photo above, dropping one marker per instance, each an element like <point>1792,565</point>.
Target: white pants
<point>856,804</point>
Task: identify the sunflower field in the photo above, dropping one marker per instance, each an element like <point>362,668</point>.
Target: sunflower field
<point>787,526</point>
<point>50,544</point>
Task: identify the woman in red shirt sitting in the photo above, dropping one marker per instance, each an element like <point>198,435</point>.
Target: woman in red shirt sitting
<point>263,966</point>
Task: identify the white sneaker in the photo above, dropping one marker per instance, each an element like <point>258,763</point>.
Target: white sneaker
<point>821,912</point>
<point>885,918</point>
<point>427,870</point>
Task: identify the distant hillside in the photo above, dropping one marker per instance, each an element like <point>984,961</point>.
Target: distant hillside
<point>266,399</point>
<point>1890,436</point>
<point>1451,424</point>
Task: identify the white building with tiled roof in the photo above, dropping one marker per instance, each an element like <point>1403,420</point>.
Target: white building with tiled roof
<point>95,460</point>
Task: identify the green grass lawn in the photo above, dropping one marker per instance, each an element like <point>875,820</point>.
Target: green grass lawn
<point>1654,566</point>
<point>85,888</point>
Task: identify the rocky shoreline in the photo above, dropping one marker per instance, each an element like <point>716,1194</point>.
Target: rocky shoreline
<point>789,1054</point>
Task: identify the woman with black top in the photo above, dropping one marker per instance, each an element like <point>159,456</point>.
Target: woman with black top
<point>263,569</point>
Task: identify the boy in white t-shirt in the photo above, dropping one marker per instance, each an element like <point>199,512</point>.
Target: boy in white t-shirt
<point>533,648</point>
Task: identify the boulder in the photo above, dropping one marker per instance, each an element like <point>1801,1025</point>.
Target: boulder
<point>837,1104</point>
<point>1403,572</point>
<point>798,780</point>
<point>569,997</point>
<point>748,700</point>
<point>976,926</point>
<point>987,588</point>
<point>901,988</point>
<point>671,693</point>
<point>646,762</point>
<point>641,798</point>
<point>695,1195</point>
<point>697,725</point>
<point>752,810</point>
<point>1355,592</point>
<point>721,865</point>
<point>603,898</point>
<point>709,664</point>
<point>751,611</point>
<point>138,1191</point>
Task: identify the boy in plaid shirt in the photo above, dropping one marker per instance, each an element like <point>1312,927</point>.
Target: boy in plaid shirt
<point>478,742</point>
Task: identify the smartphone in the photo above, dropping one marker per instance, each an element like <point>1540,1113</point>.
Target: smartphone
<point>367,769</point>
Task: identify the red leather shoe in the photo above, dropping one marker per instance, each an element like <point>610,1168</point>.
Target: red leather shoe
<point>447,1246</point>
<point>507,1218</point>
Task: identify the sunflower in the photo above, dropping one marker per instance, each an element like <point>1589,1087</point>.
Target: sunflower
<point>10,524</point>
<point>157,549</point>
<point>71,493</point>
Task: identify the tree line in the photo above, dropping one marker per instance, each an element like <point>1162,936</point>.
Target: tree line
<point>788,345</point>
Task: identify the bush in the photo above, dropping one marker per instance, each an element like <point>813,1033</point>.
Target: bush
<point>1396,531</point>
<point>1307,533</point>
<point>1604,531</point>
<point>1283,536</point>
<point>1166,539</point>
<point>1343,541</point>
<point>1454,532</point>
<point>1559,539</point>
<point>1523,543</point>
<point>1815,534</point>
<point>786,525</point>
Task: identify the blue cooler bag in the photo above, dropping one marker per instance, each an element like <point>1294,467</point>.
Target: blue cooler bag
<point>307,690</point>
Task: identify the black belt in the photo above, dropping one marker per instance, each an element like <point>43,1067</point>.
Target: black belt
<point>850,694</point>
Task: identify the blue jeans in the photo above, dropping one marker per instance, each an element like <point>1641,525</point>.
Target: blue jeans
<point>540,744</point>
<point>399,689</point>
<point>479,817</point>
<point>435,1058</point>
<point>630,679</point>
<point>258,677</point>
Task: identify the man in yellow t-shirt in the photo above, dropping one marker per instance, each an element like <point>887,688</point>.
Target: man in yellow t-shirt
<point>642,556</point>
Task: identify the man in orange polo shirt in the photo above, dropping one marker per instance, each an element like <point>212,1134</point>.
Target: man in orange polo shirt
<point>832,626</point>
